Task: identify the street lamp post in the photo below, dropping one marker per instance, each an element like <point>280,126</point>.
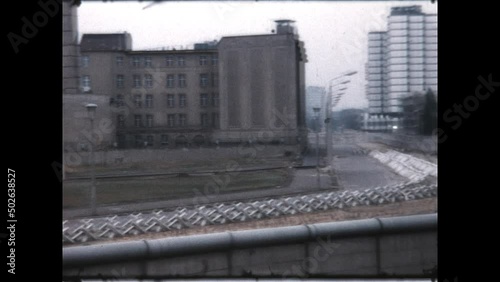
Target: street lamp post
<point>328,121</point>
<point>316,112</point>
<point>91,109</point>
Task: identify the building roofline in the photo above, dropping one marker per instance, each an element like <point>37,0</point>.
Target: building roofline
<point>132,52</point>
<point>253,35</point>
<point>187,51</point>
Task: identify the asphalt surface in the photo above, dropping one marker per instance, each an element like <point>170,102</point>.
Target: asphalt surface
<point>355,169</point>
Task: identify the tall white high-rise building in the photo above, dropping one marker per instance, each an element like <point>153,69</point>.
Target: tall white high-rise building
<point>402,60</point>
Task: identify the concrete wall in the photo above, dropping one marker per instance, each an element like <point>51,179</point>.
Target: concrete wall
<point>296,253</point>
<point>76,123</point>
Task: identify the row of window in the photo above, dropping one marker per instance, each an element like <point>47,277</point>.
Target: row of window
<point>141,141</point>
<point>205,100</point>
<point>173,120</point>
<point>149,140</point>
<point>147,82</point>
<point>170,60</point>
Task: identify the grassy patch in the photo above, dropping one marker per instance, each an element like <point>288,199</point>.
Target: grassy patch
<point>120,191</point>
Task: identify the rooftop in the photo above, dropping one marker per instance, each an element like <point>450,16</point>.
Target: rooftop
<point>106,42</point>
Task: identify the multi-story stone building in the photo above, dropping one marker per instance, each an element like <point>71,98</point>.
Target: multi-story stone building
<point>242,89</point>
<point>158,98</point>
<point>401,60</point>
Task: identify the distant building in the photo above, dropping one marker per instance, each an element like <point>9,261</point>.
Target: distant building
<point>315,98</point>
<point>401,61</point>
<point>158,98</point>
<point>240,89</point>
<point>262,87</point>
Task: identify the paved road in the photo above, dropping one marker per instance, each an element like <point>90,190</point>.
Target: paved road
<point>356,170</point>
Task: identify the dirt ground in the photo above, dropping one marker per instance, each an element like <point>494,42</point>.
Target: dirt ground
<point>423,206</point>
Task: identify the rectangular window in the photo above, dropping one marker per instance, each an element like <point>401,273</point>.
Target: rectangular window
<point>137,81</point>
<point>138,141</point>
<point>148,81</point>
<point>149,120</point>
<point>182,100</point>
<point>85,61</point>
<point>204,120</point>
<point>150,140</point>
<point>203,100</point>
<point>137,121</point>
<point>215,60</point>
<point>182,120</point>
<point>121,140</point>
<point>119,61</point>
<point>149,101</point>
<point>136,61</point>
<point>181,61</point>
<point>203,60</point>
<point>215,120</point>
<point>148,62</point>
<point>120,101</point>
<point>170,100</point>
<point>121,121</point>
<point>182,80</point>
<point>215,99</point>
<point>86,82</point>
<point>170,81</point>
<point>164,139</point>
<point>169,61</point>
<point>203,80</point>
<point>215,80</point>
<point>120,80</point>
<point>137,101</point>
<point>170,120</point>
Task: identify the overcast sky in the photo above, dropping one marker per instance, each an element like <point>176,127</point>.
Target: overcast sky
<point>334,33</point>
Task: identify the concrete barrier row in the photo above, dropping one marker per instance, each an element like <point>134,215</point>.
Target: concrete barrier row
<point>408,166</point>
<point>83,230</point>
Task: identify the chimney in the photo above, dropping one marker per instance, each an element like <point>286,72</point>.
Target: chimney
<point>285,27</point>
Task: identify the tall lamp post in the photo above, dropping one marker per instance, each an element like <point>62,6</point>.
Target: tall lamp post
<point>91,109</point>
<point>331,104</point>
<point>316,112</point>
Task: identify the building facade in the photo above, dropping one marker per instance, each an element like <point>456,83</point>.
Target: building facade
<point>241,89</point>
<point>158,98</point>
<point>78,135</point>
<point>262,87</point>
<point>401,60</point>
